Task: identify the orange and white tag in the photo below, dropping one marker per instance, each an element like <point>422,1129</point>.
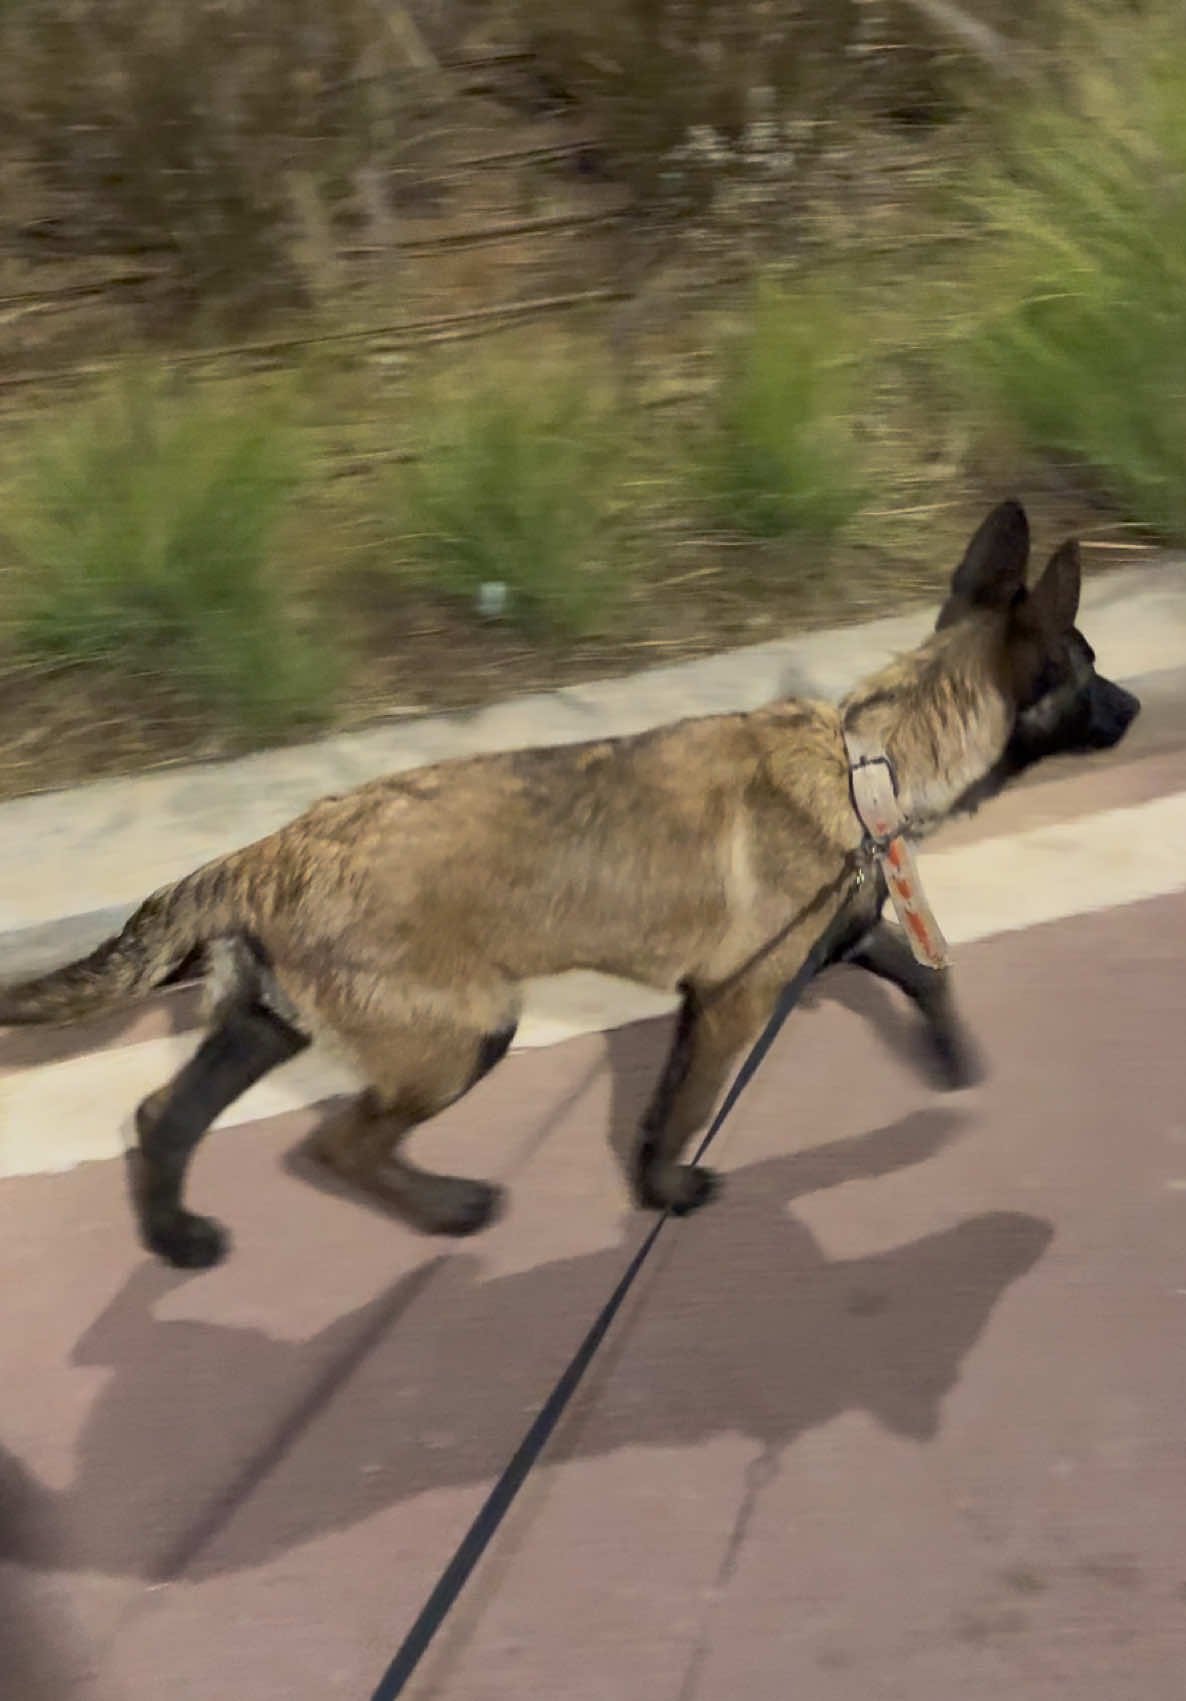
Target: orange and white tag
<point>875,799</point>
<point>910,902</point>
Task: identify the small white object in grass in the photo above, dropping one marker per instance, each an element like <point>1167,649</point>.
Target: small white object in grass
<point>492,598</point>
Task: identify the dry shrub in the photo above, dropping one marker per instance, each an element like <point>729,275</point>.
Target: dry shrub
<point>178,130</point>
<point>685,91</point>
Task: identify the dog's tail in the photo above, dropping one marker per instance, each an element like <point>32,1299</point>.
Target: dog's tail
<point>166,930</point>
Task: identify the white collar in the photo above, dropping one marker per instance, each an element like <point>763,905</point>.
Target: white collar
<point>873,787</point>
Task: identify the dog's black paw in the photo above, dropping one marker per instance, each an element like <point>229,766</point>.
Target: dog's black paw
<point>180,1237</point>
<point>460,1207</point>
<point>187,1241</point>
<point>679,1188</point>
<point>692,1185</point>
<point>956,1059</point>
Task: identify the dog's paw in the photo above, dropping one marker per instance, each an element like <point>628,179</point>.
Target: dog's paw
<point>187,1241</point>
<point>678,1188</point>
<point>460,1207</point>
<point>957,1061</point>
<point>693,1185</point>
<point>180,1237</point>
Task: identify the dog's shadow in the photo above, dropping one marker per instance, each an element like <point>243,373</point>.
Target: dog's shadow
<point>215,1447</point>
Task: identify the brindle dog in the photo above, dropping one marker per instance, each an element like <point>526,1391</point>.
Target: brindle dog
<point>708,857</point>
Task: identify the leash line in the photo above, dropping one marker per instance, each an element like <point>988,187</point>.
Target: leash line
<point>498,1502</point>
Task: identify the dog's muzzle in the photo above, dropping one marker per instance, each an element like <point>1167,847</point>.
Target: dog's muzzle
<point>1113,710</point>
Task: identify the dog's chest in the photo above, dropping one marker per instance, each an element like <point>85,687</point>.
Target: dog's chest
<point>860,914</point>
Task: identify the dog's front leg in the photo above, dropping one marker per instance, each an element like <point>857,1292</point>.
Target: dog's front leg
<point>886,953</point>
<point>710,1031</point>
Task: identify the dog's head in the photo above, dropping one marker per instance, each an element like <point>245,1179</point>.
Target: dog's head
<point>1062,705</point>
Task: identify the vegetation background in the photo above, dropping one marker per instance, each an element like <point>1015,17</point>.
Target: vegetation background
<point>360,358</point>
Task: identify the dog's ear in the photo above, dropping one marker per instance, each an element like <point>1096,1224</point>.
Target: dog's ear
<point>992,572</point>
<point>1054,601</point>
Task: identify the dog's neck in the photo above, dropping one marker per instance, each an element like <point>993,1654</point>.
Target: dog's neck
<point>942,716</point>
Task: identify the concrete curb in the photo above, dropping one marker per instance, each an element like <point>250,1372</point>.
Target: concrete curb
<point>73,863</point>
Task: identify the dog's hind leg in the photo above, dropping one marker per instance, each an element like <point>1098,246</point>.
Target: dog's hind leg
<point>417,1070</point>
<point>886,954</point>
<point>247,1041</point>
<point>710,1031</point>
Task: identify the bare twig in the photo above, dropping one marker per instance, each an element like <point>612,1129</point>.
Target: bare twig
<point>979,38</point>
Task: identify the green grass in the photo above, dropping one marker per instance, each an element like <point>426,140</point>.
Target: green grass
<point>519,483</point>
<point>143,535</point>
<point>780,454</point>
<point>858,409</point>
<point>1079,289</point>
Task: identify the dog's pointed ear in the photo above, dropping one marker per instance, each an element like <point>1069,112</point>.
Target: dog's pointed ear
<point>1054,601</point>
<point>992,571</point>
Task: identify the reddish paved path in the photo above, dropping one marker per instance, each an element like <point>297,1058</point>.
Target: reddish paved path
<point>903,1416</point>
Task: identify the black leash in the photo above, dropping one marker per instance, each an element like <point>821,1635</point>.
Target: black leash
<point>498,1502</point>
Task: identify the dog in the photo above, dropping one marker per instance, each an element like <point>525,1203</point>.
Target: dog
<point>708,858</point>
